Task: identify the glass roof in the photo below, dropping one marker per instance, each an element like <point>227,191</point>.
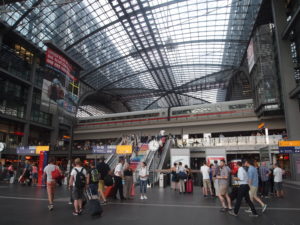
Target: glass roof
<point>182,51</point>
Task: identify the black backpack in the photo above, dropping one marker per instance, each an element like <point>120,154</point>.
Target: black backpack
<point>80,181</point>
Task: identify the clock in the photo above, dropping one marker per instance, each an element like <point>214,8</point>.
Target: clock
<point>2,146</point>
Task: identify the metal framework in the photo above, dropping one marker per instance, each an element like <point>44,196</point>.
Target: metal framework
<point>147,53</point>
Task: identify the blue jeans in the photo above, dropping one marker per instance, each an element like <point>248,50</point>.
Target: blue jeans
<point>143,186</point>
<point>94,189</point>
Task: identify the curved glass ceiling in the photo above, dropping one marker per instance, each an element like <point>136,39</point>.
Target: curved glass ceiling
<point>160,52</point>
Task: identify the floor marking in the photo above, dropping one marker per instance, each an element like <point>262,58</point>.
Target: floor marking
<point>145,204</point>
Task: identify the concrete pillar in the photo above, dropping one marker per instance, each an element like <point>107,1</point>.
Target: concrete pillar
<point>29,102</point>
<point>286,74</point>
<point>55,132</point>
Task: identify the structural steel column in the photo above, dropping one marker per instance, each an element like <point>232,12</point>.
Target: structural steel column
<point>29,102</point>
<point>55,132</point>
<point>288,83</point>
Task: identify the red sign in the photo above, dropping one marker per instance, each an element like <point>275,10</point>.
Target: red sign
<point>41,168</point>
<point>59,62</point>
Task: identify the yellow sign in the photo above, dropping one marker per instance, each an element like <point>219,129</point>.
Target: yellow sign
<point>41,149</point>
<point>260,126</point>
<point>124,149</point>
<point>288,143</point>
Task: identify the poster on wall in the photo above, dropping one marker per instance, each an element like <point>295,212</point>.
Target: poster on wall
<point>59,63</point>
<point>55,94</point>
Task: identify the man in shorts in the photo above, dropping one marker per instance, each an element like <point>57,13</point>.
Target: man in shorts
<point>78,172</point>
<point>206,179</point>
<point>223,187</point>
<point>51,183</point>
<point>103,168</point>
<point>278,173</point>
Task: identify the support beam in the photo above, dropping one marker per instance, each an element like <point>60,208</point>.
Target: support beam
<point>288,83</point>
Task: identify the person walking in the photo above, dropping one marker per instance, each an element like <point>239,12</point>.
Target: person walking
<point>243,192</point>
<point>103,168</point>
<point>215,173</point>
<point>34,174</point>
<point>79,181</point>
<point>49,173</point>
<point>143,176</point>
<point>93,178</point>
<point>205,170</point>
<point>278,173</point>
<point>253,184</point>
<point>264,175</point>
<point>223,187</point>
<point>174,177</point>
<point>118,179</point>
<point>128,177</point>
<point>182,175</point>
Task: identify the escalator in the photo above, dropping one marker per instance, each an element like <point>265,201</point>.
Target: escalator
<point>158,162</point>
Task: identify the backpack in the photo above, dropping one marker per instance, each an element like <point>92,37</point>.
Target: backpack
<point>55,174</point>
<point>80,181</point>
<point>95,176</point>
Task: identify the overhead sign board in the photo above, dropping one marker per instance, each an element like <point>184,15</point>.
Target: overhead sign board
<point>289,147</point>
<point>104,149</point>
<point>31,150</point>
<point>124,149</point>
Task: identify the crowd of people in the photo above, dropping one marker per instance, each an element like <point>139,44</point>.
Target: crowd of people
<point>98,179</point>
<point>248,181</point>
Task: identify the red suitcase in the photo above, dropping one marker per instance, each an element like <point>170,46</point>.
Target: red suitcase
<point>189,186</point>
<point>109,191</point>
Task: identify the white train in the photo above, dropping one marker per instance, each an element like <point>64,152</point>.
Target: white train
<point>223,110</point>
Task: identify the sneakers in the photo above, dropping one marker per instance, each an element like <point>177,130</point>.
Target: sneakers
<point>142,197</point>
<point>232,213</point>
<point>50,207</point>
<point>145,197</point>
<point>70,203</point>
<point>248,211</point>
<point>75,213</point>
<point>264,208</point>
<point>223,210</point>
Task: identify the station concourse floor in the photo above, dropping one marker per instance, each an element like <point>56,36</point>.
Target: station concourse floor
<point>22,205</point>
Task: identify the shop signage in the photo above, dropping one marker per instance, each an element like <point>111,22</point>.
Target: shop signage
<point>104,149</point>
<point>289,147</point>
<point>31,150</point>
<point>43,160</point>
<point>124,149</point>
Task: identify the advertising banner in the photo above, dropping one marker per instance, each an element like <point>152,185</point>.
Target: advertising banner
<point>104,149</point>
<point>55,94</point>
<point>59,63</point>
<point>40,169</point>
<point>41,148</point>
<point>180,155</point>
<point>124,149</point>
<point>250,56</point>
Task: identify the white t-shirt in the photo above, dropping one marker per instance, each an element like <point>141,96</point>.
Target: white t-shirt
<point>119,170</point>
<point>48,170</point>
<point>74,173</point>
<point>205,172</point>
<point>278,174</point>
<point>143,172</point>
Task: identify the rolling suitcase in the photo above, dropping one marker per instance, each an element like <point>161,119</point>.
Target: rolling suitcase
<point>109,191</point>
<point>189,186</point>
<point>94,205</point>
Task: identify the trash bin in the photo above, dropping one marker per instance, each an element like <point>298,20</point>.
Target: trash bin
<point>162,180</point>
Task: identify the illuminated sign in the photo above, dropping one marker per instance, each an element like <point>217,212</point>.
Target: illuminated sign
<point>289,147</point>
<point>104,149</point>
<point>124,149</point>
<point>261,126</point>
<point>31,150</point>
